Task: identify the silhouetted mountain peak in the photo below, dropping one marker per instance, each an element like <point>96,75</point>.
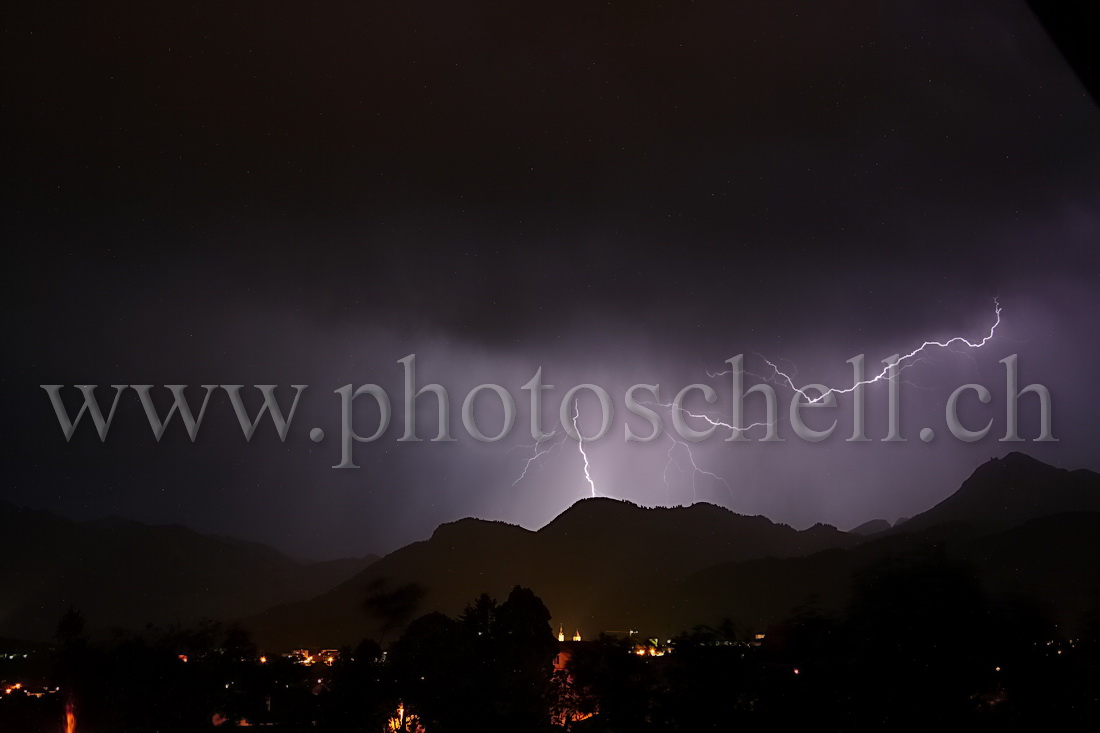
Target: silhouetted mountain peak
<point>594,507</point>
<point>124,573</point>
<point>466,528</point>
<point>601,508</point>
<point>1015,461</point>
<point>872,527</point>
<point>1005,492</point>
<point>595,553</point>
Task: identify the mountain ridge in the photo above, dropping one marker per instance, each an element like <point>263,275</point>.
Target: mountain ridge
<point>608,563</point>
<point>601,563</point>
<point>596,548</point>
<point>124,573</point>
<point>1005,492</point>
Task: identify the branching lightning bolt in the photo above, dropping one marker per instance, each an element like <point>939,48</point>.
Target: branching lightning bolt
<point>580,447</point>
<point>695,470</point>
<point>716,423</point>
<point>538,454</point>
<point>900,363</point>
<point>779,377</point>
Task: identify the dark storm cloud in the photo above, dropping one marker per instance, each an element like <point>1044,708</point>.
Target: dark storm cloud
<point>629,192</point>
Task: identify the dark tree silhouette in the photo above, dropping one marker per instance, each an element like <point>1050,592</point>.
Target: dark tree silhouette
<point>489,670</point>
<point>617,684</point>
<point>525,655</point>
<point>392,606</point>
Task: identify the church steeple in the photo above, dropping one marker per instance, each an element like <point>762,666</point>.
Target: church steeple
<point>561,633</point>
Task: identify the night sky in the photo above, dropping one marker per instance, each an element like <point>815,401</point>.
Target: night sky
<point>273,193</point>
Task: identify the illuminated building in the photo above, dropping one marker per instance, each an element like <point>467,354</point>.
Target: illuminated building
<point>300,656</point>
